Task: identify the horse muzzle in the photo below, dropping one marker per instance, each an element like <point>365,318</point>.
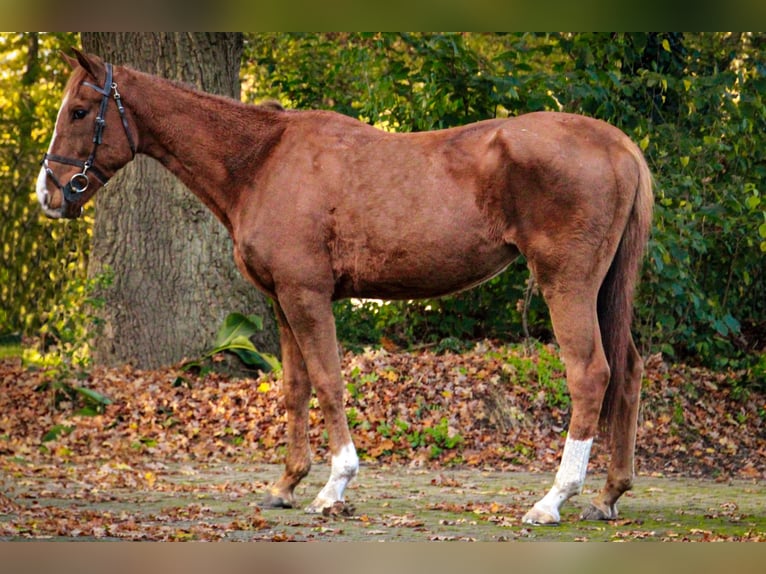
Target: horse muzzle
<point>71,192</point>
<point>67,209</point>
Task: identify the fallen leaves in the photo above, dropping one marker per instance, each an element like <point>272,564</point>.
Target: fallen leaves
<point>476,408</point>
<point>495,407</point>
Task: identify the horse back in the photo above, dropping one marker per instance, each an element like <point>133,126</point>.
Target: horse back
<point>423,214</point>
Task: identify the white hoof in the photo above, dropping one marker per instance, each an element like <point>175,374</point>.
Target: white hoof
<point>345,466</point>
<point>542,517</point>
<point>318,506</point>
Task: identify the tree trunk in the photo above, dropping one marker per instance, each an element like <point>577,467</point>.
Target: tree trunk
<point>174,277</point>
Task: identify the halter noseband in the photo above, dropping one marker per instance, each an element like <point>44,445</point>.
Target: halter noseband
<point>79,182</point>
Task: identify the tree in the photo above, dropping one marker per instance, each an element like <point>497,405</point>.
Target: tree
<point>174,277</point>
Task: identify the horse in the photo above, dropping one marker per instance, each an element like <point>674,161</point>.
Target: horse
<point>321,206</point>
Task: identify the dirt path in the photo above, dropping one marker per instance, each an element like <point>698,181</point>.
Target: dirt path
<point>386,503</point>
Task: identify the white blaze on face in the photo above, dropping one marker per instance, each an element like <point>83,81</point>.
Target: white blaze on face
<point>42,178</point>
<point>42,184</point>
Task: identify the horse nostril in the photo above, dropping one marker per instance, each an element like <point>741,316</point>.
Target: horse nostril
<point>46,198</point>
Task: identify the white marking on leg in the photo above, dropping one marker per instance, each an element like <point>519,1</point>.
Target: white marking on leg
<point>345,465</point>
<point>569,481</point>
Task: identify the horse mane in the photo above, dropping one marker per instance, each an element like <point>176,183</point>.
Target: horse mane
<point>265,106</point>
<point>272,105</point>
<point>80,75</point>
<point>75,79</point>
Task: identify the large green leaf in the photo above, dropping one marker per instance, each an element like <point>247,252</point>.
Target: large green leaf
<point>257,360</point>
<point>234,336</point>
<point>237,326</point>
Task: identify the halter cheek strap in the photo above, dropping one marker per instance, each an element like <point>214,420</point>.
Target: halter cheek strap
<point>79,182</point>
<point>109,87</point>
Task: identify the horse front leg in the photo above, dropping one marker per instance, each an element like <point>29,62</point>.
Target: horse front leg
<point>296,389</point>
<point>309,314</point>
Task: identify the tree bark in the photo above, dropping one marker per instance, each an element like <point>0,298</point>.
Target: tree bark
<point>174,277</point>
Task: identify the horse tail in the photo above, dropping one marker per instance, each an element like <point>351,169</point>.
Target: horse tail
<point>615,297</point>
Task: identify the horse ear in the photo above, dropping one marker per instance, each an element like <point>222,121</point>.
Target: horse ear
<point>92,64</point>
<point>73,63</point>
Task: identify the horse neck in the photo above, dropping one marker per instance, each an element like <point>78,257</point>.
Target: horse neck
<point>214,145</point>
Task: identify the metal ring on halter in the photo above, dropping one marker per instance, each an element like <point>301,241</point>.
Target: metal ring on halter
<point>79,182</point>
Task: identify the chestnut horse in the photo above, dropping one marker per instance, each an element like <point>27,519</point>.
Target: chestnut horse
<point>321,206</point>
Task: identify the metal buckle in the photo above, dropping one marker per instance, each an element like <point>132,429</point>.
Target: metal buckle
<point>79,182</point>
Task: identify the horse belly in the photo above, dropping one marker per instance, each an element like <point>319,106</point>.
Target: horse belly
<point>425,271</point>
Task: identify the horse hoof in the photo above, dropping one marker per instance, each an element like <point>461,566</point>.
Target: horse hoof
<point>598,512</point>
<point>312,509</point>
<point>320,504</point>
<point>538,517</point>
<point>272,500</point>
<point>315,508</point>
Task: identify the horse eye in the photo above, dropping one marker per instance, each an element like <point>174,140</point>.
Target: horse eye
<point>79,114</point>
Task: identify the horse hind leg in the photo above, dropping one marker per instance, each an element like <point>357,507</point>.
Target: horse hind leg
<point>575,324</point>
<point>623,418</point>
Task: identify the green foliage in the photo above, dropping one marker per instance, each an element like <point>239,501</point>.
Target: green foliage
<point>492,310</point>
<point>755,376</point>
<point>37,259</point>
<point>235,337</point>
<point>437,438</point>
<point>64,391</point>
<point>442,438</point>
<point>542,366</point>
<point>10,346</point>
<point>693,102</point>
<point>63,348</point>
<point>56,431</point>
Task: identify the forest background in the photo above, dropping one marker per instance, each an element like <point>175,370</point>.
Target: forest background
<point>693,102</point>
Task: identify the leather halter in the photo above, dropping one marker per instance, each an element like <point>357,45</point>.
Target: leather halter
<point>79,182</point>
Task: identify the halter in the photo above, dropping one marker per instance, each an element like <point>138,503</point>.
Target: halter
<point>79,182</point>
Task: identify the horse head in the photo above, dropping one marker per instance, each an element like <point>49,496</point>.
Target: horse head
<point>88,145</point>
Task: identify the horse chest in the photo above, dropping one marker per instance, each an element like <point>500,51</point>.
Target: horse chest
<point>253,271</point>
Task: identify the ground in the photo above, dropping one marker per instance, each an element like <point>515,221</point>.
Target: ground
<point>453,447</point>
<point>386,503</point>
